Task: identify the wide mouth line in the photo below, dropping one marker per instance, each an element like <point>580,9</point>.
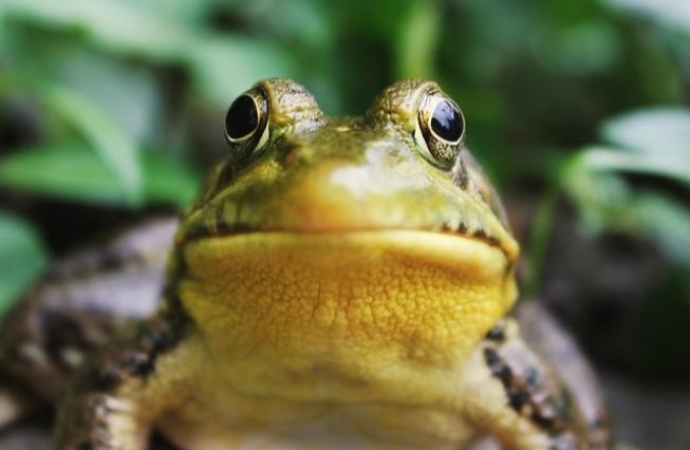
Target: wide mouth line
<point>236,230</point>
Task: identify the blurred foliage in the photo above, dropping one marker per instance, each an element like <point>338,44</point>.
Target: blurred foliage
<point>22,257</point>
<point>118,104</point>
<point>654,142</point>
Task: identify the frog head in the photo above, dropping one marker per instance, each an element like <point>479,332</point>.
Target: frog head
<point>342,241</point>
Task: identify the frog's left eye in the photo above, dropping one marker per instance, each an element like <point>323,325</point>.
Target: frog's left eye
<point>440,128</point>
<point>246,123</point>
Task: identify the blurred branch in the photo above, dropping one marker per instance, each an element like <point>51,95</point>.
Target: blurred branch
<point>540,235</point>
<point>416,45</point>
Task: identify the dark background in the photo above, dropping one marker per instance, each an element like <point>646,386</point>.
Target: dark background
<point>112,110</point>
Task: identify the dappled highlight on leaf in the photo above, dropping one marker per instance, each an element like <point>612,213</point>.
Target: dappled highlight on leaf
<point>664,132</point>
<point>672,12</point>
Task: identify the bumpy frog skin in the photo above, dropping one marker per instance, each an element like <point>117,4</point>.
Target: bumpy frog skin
<point>340,283</point>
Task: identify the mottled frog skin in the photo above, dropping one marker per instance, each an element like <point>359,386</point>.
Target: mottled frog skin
<point>340,283</point>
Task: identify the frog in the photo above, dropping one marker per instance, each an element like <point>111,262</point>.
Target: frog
<point>338,283</point>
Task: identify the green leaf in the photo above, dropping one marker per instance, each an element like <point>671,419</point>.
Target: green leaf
<point>222,65</point>
<point>64,171</point>
<point>668,223</point>
<point>606,201</point>
<point>22,258</point>
<point>119,153</point>
<point>72,171</point>
<point>195,11</point>
<point>658,131</point>
<point>602,197</point>
<point>107,23</point>
<point>651,142</point>
<point>673,13</point>
<point>607,159</point>
<point>130,95</point>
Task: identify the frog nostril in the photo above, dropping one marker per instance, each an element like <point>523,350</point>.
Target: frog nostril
<point>291,156</point>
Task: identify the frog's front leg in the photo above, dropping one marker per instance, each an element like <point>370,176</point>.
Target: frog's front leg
<point>516,397</point>
<point>117,398</point>
<point>101,421</point>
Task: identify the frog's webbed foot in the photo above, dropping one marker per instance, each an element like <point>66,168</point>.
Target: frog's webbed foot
<point>100,422</point>
<point>514,395</point>
<point>116,398</point>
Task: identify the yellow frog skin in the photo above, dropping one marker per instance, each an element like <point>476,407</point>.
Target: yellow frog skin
<point>340,283</point>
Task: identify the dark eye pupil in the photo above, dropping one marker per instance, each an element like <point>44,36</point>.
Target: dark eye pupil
<point>242,118</point>
<point>446,121</point>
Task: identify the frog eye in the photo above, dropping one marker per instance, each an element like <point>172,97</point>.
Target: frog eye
<point>246,123</point>
<point>440,129</point>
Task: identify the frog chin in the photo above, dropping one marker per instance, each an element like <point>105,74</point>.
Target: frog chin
<point>276,308</point>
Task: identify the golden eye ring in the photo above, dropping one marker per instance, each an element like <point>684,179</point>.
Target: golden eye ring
<point>246,124</point>
<point>440,128</point>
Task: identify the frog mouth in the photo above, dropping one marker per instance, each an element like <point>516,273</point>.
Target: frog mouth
<point>221,229</point>
<point>412,248</point>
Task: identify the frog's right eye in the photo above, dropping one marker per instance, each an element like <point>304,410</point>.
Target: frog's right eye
<point>246,124</point>
<point>440,128</point>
